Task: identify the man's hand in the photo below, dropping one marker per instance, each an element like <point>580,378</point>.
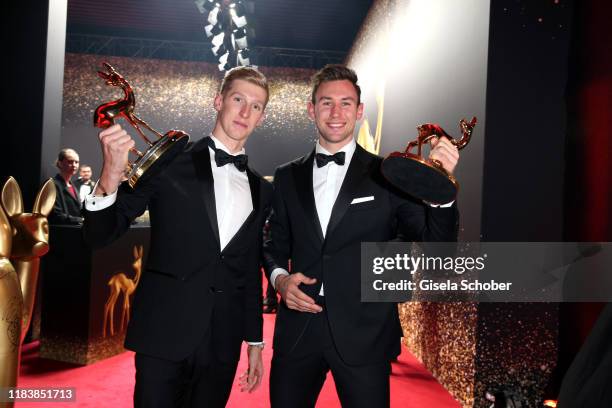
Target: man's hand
<point>287,286</point>
<point>251,379</point>
<point>445,152</point>
<point>116,145</point>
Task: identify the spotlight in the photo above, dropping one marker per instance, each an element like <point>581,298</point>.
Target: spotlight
<point>219,50</point>
<point>239,21</point>
<point>211,30</point>
<point>240,39</point>
<point>212,16</point>
<point>243,58</point>
<point>218,39</point>
<point>240,33</point>
<point>224,67</point>
<point>204,5</point>
<point>224,63</point>
<point>223,58</point>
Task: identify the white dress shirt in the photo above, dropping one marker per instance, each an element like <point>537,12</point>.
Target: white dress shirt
<point>232,195</point>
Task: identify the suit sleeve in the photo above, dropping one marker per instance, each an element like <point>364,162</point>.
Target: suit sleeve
<point>253,301</point>
<point>253,306</point>
<point>420,222</point>
<point>277,247</point>
<point>100,228</point>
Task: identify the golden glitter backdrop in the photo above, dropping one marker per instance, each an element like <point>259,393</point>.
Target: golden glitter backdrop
<point>179,95</point>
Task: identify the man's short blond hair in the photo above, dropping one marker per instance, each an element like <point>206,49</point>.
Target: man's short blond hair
<point>249,74</point>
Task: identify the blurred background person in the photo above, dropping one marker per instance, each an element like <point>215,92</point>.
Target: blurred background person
<point>67,208</point>
<point>84,184</point>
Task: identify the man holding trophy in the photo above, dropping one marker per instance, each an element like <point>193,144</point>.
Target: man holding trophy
<point>200,295</point>
<point>325,204</point>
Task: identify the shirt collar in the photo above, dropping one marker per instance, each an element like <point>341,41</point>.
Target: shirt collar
<point>221,146</point>
<point>348,149</point>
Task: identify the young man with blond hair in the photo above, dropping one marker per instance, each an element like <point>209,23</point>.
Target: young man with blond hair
<point>200,294</point>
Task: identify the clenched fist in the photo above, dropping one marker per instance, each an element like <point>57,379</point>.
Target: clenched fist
<point>116,144</point>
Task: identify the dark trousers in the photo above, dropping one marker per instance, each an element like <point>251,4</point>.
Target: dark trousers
<point>296,379</point>
<point>200,380</point>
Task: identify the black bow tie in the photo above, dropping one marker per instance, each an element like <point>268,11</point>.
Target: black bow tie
<point>222,157</point>
<point>323,159</point>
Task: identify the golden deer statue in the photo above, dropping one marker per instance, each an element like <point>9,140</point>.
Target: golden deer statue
<point>121,284</point>
<point>24,238</point>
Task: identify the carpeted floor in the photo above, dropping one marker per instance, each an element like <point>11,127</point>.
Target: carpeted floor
<point>110,383</point>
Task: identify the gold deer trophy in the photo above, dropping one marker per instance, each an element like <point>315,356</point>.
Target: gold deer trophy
<point>24,238</point>
<point>158,153</point>
<point>121,284</point>
<point>421,177</point>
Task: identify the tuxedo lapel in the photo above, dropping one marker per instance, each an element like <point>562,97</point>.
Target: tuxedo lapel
<point>201,161</point>
<point>67,194</point>
<point>302,174</point>
<point>254,185</point>
<point>353,178</point>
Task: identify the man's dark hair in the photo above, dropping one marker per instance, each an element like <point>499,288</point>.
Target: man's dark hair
<point>334,72</point>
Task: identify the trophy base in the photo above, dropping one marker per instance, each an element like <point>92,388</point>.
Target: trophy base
<point>157,157</point>
<point>420,178</point>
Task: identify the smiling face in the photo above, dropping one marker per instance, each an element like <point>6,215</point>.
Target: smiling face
<point>335,111</point>
<point>240,109</point>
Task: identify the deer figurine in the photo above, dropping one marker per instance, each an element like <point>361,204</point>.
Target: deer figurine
<point>121,284</point>
<point>168,145</point>
<point>30,238</point>
<point>106,114</point>
<point>24,238</point>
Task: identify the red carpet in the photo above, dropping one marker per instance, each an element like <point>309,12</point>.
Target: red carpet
<point>110,383</point>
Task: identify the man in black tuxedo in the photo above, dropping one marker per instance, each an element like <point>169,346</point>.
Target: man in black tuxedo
<point>199,297</point>
<point>84,183</point>
<point>325,204</point>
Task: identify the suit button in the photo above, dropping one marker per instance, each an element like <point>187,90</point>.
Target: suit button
<point>222,256</point>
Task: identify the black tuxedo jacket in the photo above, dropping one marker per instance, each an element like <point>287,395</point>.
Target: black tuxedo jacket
<point>190,288</point>
<point>363,333</point>
<point>67,209</point>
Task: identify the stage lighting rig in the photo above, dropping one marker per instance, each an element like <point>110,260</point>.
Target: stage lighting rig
<point>204,6</point>
<point>240,39</point>
<point>212,30</point>
<point>228,31</point>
